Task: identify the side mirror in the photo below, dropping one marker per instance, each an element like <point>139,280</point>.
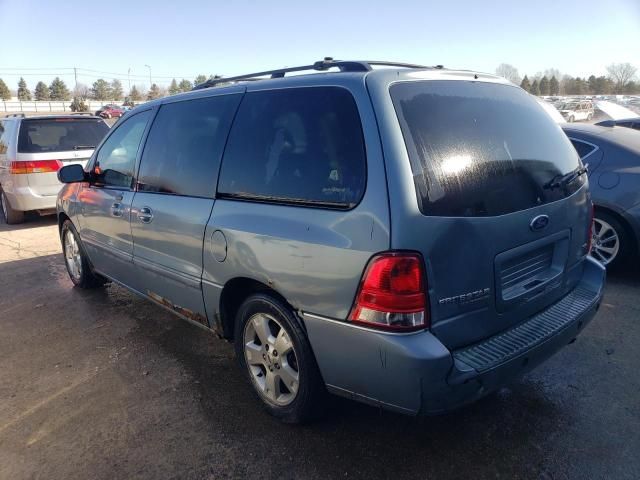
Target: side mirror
<point>72,174</point>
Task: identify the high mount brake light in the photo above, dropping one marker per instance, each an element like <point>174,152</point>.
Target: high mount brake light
<point>392,294</point>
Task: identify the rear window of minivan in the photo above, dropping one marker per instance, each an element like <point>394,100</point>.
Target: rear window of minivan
<point>60,134</point>
<point>481,149</point>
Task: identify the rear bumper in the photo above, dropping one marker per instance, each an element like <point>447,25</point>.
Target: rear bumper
<point>24,198</point>
<point>417,374</point>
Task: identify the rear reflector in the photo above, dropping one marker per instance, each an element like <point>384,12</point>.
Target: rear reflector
<point>35,166</point>
<point>392,294</point>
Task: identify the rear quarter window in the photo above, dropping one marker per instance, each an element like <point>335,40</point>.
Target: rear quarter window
<point>60,134</point>
<point>297,145</point>
<point>481,149</point>
<point>582,148</point>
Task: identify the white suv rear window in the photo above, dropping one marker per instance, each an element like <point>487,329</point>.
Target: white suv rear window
<point>60,134</point>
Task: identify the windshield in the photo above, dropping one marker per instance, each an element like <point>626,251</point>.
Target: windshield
<point>481,149</point>
<point>567,106</point>
<point>60,134</point>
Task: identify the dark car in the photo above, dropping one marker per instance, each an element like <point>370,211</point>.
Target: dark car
<point>627,122</point>
<point>613,155</point>
<point>110,111</point>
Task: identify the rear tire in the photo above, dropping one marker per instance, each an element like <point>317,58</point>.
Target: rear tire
<point>287,382</point>
<point>75,259</point>
<point>11,216</point>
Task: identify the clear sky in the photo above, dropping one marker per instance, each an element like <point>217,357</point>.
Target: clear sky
<point>179,39</point>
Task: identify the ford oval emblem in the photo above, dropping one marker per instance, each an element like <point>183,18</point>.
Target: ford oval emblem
<point>539,223</point>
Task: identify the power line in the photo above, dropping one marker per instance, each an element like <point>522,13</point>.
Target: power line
<point>23,71</point>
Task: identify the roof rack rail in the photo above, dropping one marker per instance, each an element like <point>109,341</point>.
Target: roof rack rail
<point>19,115</point>
<point>320,66</point>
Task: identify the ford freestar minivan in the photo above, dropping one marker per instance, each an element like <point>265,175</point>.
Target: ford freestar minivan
<point>406,236</point>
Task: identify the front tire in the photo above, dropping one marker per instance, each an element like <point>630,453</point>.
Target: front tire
<point>76,260</point>
<point>276,357</point>
<point>11,216</point>
<point>610,244</point>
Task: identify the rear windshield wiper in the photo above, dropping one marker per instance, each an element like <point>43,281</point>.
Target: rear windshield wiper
<point>561,181</point>
<point>84,147</point>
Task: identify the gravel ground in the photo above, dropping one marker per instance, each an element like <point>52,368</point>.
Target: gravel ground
<point>104,385</point>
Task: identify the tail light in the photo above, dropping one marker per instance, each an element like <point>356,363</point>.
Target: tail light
<point>590,231</point>
<point>36,166</point>
<point>392,294</point>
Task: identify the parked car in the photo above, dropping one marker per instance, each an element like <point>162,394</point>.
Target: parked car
<point>575,111</point>
<point>31,152</point>
<point>111,111</point>
<point>409,237</point>
<point>633,123</point>
<point>613,155</point>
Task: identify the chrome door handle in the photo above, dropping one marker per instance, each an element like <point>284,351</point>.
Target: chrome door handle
<point>116,209</point>
<point>145,215</point>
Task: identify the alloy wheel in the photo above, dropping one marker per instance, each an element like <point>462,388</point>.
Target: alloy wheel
<point>271,359</point>
<point>605,242</point>
<point>72,255</point>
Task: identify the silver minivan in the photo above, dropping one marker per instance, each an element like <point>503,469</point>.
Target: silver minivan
<point>33,149</point>
<point>410,237</point>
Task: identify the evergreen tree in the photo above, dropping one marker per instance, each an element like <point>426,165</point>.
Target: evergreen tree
<point>134,94</point>
<point>58,90</point>
<point>200,79</point>
<point>116,90</point>
<point>185,85</point>
<point>174,88</point>
<point>535,89</point>
<point>554,86</point>
<point>41,92</point>
<point>23,91</point>
<point>5,94</point>
<point>101,90</point>
<point>544,86</point>
<point>154,92</point>
<point>525,84</point>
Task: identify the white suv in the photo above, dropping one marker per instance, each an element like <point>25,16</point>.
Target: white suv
<point>576,111</point>
<point>33,149</point>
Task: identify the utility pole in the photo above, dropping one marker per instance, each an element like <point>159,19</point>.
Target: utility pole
<point>75,75</point>
<point>129,78</point>
<point>150,82</point>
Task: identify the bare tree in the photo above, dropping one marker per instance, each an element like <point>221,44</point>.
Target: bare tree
<point>621,74</point>
<point>81,91</point>
<point>509,72</point>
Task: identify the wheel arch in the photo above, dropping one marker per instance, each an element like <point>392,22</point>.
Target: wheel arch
<point>236,291</point>
<point>62,217</point>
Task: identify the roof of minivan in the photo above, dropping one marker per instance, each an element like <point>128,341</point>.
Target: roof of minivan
<point>378,76</point>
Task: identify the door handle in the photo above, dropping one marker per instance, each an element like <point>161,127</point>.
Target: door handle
<point>145,215</point>
<point>116,209</point>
